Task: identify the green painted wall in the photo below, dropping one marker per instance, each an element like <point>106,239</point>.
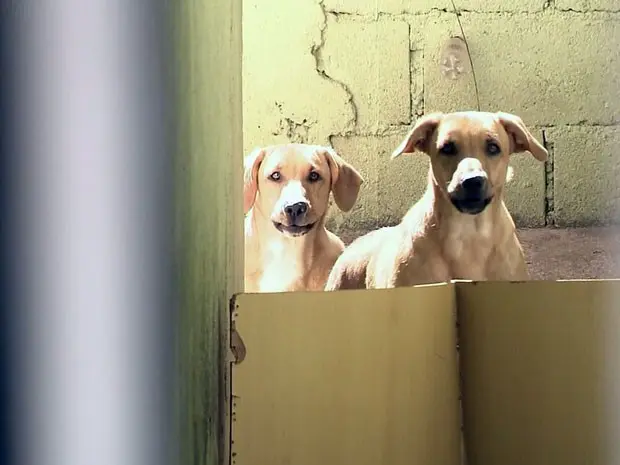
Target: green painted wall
<point>210,218</point>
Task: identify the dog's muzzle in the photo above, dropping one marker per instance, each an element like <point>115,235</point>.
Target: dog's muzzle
<point>471,196</point>
<point>296,220</point>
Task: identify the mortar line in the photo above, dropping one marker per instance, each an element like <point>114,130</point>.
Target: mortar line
<point>411,77</point>
<point>549,182</point>
<point>423,100</point>
<point>407,16</point>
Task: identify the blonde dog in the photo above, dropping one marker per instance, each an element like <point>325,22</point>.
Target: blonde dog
<point>460,228</point>
<point>286,198</point>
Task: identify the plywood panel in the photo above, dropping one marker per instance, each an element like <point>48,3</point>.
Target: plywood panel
<point>541,372</point>
<point>350,377</point>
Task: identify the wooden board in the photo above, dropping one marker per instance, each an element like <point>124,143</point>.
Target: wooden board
<point>541,372</point>
<point>350,377</point>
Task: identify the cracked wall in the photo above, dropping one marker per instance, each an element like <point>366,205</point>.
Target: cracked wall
<point>355,74</point>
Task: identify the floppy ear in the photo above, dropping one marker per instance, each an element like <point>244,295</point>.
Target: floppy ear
<point>419,136</point>
<point>346,181</point>
<point>522,138</point>
<point>251,163</point>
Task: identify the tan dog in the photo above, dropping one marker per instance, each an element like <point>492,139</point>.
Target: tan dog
<point>286,197</point>
<point>460,228</point>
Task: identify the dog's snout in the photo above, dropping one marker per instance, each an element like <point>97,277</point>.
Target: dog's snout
<point>474,183</point>
<point>296,210</point>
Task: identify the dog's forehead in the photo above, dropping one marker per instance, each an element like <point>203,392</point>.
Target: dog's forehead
<point>293,157</point>
<point>473,124</point>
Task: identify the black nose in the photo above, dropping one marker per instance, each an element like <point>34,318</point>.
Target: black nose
<point>296,210</point>
<point>474,184</point>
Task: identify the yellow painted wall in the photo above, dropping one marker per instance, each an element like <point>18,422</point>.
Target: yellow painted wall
<point>357,73</point>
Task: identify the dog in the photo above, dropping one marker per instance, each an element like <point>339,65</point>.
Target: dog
<point>286,198</point>
<point>460,228</point>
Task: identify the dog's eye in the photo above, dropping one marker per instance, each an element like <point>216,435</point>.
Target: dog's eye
<point>275,176</point>
<point>449,148</point>
<point>493,148</point>
<point>314,176</point>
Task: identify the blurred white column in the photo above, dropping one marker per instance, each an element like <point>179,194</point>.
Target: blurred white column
<point>90,231</point>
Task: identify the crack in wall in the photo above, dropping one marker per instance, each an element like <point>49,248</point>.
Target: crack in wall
<point>295,131</point>
<point>316,51</point>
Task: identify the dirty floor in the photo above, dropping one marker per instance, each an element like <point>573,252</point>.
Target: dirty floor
<point>580,253</point>
<point>573,253</point>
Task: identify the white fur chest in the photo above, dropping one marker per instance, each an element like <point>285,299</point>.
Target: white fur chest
<point>467,249</point>
<point>282,271</point>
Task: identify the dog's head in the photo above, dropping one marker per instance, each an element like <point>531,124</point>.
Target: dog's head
<point>469,153</point>
<point>290,184</point>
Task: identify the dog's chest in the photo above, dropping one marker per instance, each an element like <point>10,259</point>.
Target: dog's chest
<point>282,270</point>
<point>467,251</point>
<point>280,277</point>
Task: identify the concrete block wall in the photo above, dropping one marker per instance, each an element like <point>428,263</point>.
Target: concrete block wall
<point>356,74</point>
